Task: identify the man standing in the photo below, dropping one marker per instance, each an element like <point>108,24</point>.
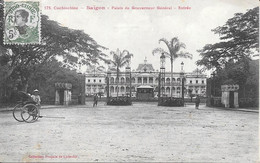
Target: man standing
<point>95,100</point>
<point>197,102</point>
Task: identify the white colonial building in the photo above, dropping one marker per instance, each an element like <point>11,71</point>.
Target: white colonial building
<point>145,78</point>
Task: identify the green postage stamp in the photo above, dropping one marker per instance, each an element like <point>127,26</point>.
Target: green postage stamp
<point>22,22</point>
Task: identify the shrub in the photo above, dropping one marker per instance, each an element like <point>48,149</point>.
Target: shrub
<point>121,101</point>
<point>168,101</point>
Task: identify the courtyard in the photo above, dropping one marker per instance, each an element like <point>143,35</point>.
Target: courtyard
<point>143,132</point>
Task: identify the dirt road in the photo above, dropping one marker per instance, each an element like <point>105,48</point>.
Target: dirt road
<point>142,132</point>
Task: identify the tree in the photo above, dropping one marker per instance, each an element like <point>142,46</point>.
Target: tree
<point>120,59</point>
<point>45,76</point>
<point>239,40</point>
<point>232,73</point>
<point>231,57</point>
<point>174,47</point>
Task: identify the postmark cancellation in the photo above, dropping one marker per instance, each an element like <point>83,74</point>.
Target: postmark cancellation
<point>22,22</point>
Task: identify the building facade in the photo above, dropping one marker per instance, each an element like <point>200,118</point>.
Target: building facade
<point>95,83</point>
<point>146,78</point>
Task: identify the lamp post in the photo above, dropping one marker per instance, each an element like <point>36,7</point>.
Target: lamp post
<point>161,75</point>
<point>182,79</point>
<point>107,80</point>
<point>162,61</point>
<point>128,74</point>
<point>161,81</point>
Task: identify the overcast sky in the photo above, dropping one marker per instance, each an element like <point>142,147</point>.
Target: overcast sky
<point>138,31</point>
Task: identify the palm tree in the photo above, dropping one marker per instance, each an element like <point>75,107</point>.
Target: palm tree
<point>174,47</point>
<point>120,59</point>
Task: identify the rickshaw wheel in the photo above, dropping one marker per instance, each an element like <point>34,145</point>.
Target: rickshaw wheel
<point>30,113</point>
<point>17,112</point>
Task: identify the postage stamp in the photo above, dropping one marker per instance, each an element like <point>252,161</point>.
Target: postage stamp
<point>22,22</point>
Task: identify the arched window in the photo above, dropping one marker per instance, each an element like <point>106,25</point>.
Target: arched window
<point>122,80</point>
<point>162,79</point>
<point>168,90</point>
<point>127,89</point>
<point>173,89</point>
<point>112,89</point>
<point>168,80</point>
<point>127,80</point>
<point>122,89</point>
<point>112,80</point>
<point>163,89</point>
<point>178,90</point>
<point>133,80</point>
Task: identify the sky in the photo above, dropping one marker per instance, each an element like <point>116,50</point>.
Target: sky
<point>139,31</point>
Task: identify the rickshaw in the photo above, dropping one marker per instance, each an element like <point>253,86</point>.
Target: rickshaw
<point>27,110</point>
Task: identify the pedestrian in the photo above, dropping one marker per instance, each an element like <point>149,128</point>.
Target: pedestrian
<point>197,102</point>
<point>95,100</point>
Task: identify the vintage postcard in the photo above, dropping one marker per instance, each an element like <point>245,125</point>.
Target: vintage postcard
<point>129,81</point>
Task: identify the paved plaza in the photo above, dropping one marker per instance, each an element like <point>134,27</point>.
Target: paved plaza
<point>143,132</point>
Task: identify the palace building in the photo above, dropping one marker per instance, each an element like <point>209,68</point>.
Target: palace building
<point>145,83</point>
